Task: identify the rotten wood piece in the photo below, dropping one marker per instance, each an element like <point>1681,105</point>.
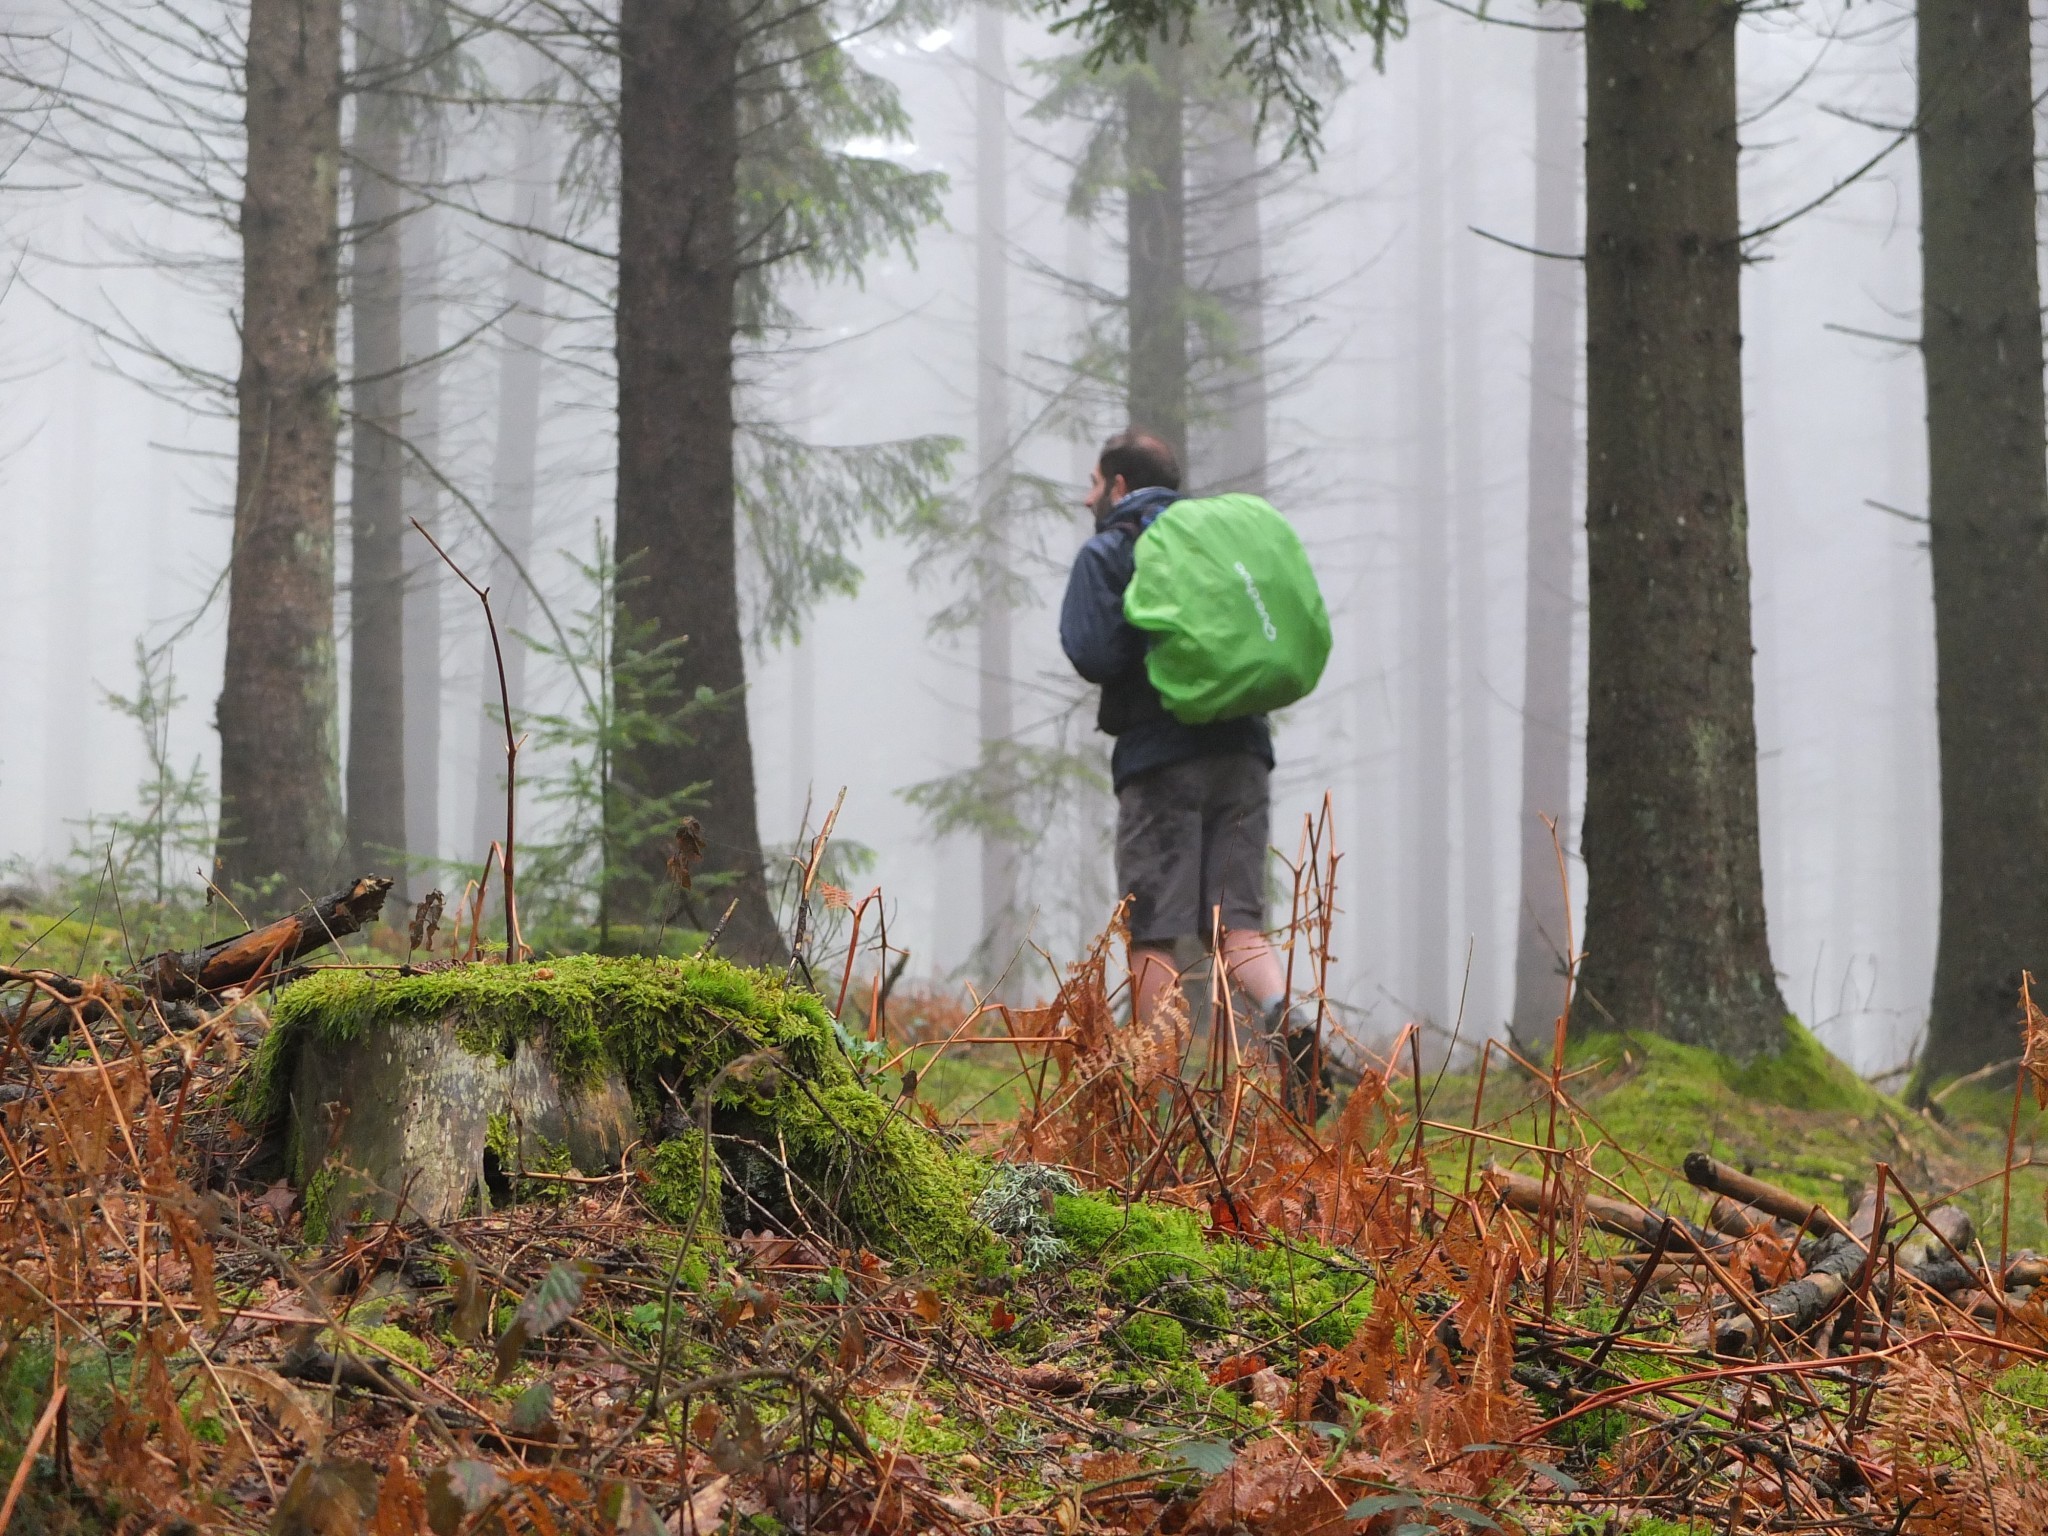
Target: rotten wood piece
<point>1835,1263</point>
<point>1709,1174</point>
<point>263,953</point>
<point>1622,1218</point>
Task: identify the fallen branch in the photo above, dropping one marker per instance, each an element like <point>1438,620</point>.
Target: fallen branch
<point>1706,1173</point>
<point>263,953</point>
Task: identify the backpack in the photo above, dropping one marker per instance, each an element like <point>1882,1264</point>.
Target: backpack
<point>1224,587</point>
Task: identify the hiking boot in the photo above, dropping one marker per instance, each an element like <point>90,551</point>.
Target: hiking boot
<point>1305,1080</point>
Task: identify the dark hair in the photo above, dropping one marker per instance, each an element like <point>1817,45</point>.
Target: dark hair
<point>1142,459</point>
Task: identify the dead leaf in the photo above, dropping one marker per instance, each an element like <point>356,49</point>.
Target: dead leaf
<point>426,921</point>
<point>326,1498</point>
<point>688,849</point>
<point>1053,1380</point>
<point>277,1201</point>
<point>961,1507</point>
<point>926,1304</point>
<point>853,1341</point>
<point>625,1509</point>
<point>1000,1318</point>
<point>458,1489</point>
<point>285,1403</point>
<point>1234,1367</point>
<point>472,1301</point>
<point>698,1514</point>
<point>401,1502</point>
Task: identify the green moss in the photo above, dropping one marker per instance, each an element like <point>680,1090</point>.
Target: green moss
<point>900,1187</point>
<point>317,1203</point>
<point>678,1187</point>
<point>915,1427</point>
<point>1802,1075</point>
<point>1306,1286</point>
<point>895,1182</point>
<point>1151,1337</point>
<point>393,1342</point>
<point>641,1014</point>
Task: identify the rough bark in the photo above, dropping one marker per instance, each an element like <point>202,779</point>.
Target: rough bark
<point>1543,915</point>
<point>376,676</point>
<point>279,775</point>
<point>1426,851</point>
<point>425,575</point>
<point>1156,246</point>
<point>1675,938</point>
<point>1478,877</point>
<point>1001,927</point>
<point>403,1106</point>
<point>524,333</point>
<point>1988,515</point>
<point>677,535</point>
<point>1230,272</point>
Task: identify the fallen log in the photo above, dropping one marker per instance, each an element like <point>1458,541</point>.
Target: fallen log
<point>264,953</point>
<point>1623,1218</point>
<point>1708,1174</point>
<point>1834,1263</point>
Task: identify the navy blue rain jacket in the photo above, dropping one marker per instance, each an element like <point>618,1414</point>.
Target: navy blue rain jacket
<point>1107,649</point>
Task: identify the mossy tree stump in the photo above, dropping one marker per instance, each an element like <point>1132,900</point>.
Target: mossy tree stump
<point>396,1083</point>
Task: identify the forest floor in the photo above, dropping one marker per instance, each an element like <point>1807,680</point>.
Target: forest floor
<point>1184,1310</point>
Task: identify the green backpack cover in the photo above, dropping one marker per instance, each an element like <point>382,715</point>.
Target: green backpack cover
<point>1225,585</point>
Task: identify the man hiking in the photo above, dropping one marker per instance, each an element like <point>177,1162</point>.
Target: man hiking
<point>1192,804</point>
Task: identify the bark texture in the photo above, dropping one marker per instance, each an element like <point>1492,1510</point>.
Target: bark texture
<point>1988,514</point>
<point>1675,938</point>
<point>425,576</point>
<point>1543,917</point>
<point>1001,915</point>
<point>376,677</point>
<point>279,775</point>
<point>1425,619</point>
<point>1156,246</point>
<point>1226,226</point>
<point>677,536</point>
<point>516,457</point>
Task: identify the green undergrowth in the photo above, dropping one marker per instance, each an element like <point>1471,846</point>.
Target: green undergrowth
<point>672,1028</point>
<point>1801,1119</point>
<point>1180,1287</point>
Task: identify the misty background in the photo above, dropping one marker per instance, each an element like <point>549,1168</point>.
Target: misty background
<point>1396,370</point>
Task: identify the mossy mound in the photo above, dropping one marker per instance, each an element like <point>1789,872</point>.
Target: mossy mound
<point>645,1016</point>
<point>799,1137</point>
<point>1183,1286</point>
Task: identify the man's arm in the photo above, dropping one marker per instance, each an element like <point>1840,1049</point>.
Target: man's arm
<point>1100,642</point>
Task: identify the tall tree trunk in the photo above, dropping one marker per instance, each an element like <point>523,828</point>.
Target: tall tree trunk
<point>424,573</point>
<point>1478,877</point>
<point>1427,557</point>
<point>1544,916</point>
<point>1001,928</point>
<point>523,332</point>
<point>677,536</point>
<point>1230,436</point>
<point>279,778</point>
<point>376,677</point>
<point>1156,246</point>
<point>1675,938</point>
<point>1988,510</point>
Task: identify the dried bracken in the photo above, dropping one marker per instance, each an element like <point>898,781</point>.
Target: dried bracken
<point>1197,1313</point>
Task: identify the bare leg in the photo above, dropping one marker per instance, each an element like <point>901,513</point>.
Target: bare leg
<point>1254,968</point>
<point>1153,973</point>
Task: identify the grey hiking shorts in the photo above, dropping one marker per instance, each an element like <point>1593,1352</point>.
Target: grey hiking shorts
<point>1191,837</point>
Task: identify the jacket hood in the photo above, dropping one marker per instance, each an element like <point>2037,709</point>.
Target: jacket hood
<point>1140,506</point>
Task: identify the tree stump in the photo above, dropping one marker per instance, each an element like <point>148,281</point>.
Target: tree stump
<point>405,1110</point>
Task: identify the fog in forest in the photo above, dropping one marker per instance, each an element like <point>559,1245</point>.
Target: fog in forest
<point>1381,302</point>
